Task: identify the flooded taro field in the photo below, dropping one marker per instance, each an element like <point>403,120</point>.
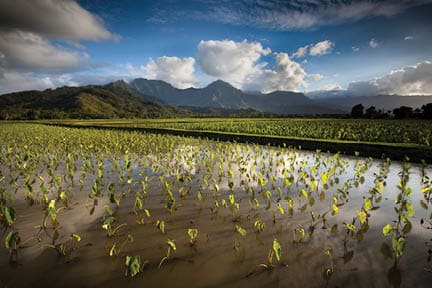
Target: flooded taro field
<point>90,208</point>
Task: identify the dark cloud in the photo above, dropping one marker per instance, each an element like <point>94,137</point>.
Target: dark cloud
<point>53,18</point>
<point>28,56</point>
<point>29,52</point>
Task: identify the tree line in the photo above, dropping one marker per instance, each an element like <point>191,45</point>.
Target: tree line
<point>403,112</point>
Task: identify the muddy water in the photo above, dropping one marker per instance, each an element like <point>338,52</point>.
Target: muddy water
<point>221,256</point>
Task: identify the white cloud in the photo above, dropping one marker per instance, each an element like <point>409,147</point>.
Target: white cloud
<point>12,81</point>
<point>53,19</point>
<point>286,75</point>
<point>316,76</point>
<point>179,72</point>
<point>240,64</point>
<point>373,43</point>
<point>355,49</point>
<point>301,52</point>
<point>321,48</point>
<point>409,37</point>
<point>317,49</point>
<point>231,61</point>
<point>331,87</point>
<point>410,80</point>
<point>29,52</point>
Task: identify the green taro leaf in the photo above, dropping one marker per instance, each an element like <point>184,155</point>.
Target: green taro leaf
<point>10,215</point>
<point>363,216</point>
<point>12,240</point>
<point>368,204</point>
<point>170,204</point>
<point>410,209</point>
<point>350,227</point>
<point>240,230</point>
<point>51,210</point>
<point>387,229</point>
<point>407,228</point>
<point>398,245</point>
<point>193,233</point>
<point>171,245</point>
<point>133,265</point>
<point>277,249</point>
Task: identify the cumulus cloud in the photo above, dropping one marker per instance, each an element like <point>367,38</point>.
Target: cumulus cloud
<point>321,48</point>
<point>54,19</point>
<point>29,52</point>
<point>289,15</point>
<point>241,64</point>
<point>231,61</point>
<point>286,75</point>
<point>410,80</point>
<point>355,49</point>
<point>373,43</point>
<point>179,72</point>
<point>409,37</point>
<point>317,49</point>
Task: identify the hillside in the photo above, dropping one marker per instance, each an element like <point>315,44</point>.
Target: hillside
<point>115,100</point>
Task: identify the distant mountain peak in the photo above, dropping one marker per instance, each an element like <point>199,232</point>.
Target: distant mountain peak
<point>220,84</point>
<point>220,94</point>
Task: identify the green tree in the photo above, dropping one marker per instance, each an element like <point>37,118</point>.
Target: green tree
<point>357,111</point>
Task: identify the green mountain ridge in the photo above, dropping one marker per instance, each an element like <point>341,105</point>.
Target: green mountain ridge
<point>114,100</point>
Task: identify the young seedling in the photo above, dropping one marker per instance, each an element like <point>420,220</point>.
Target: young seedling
<point>161,226</point>
<point>109,228</point>
<point>298,235</point>
<point>328,271</point>
<point>61,248</point>
<point>116,250</point>
<point>171,247</point>
<point>193,236</point>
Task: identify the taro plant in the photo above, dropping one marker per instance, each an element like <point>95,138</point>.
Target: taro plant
<point>115,249</point>
<point>274,252</point>
<point>193,236</point>
<point>328,271</point>
<point>171,248</point>
<point>62,248</point>
<point>133,265</point>
<point>108,226</point>
<point>405,210</point>
<point>298,235</point>
<point>160,224</point>
<point>12,240</point>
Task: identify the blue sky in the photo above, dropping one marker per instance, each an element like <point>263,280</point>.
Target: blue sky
<point>362,46</point>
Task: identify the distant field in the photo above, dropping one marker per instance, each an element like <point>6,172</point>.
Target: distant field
<point>360,130</point>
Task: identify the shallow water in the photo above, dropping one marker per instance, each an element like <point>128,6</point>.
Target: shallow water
<point>221,256</point>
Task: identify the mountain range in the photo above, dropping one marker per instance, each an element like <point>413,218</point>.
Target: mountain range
<point>220,94</point>
<point>155,98</point>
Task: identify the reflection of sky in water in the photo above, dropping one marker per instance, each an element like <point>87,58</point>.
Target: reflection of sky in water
<point>193,160</point>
